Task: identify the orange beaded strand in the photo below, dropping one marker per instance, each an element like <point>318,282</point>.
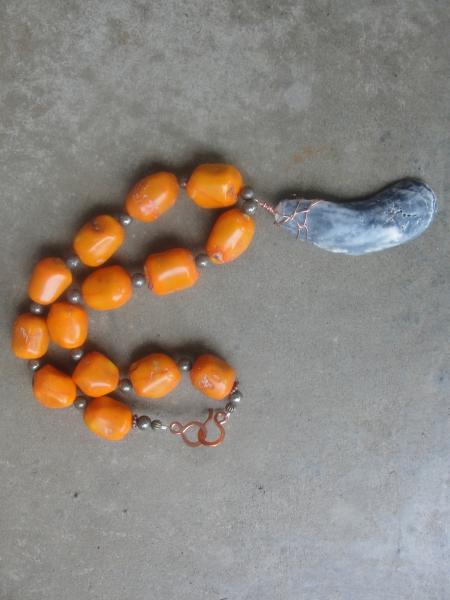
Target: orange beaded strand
<point>110,287</point>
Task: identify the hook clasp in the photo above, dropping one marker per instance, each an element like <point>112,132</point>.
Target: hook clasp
<point>219,417</point>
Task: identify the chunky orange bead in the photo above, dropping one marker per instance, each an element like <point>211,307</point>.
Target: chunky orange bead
<point>98,239</point>
<point>171,271</point>
<point>67,324</point>
<point>230,236</point>
<point>154,376</point>
<point>96,375</point>
<point>107,288</point>
<point>29,336</point>
<point>108,418</point>
<point>213,376</point>
<point>53,388</point>
<point>214,185</point>
<point>48,281</point>
<point>152,196</point>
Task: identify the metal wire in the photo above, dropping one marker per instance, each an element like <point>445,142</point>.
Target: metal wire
<point>283,219</point>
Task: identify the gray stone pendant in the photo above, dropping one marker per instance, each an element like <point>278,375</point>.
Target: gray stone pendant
<point>397,214</point>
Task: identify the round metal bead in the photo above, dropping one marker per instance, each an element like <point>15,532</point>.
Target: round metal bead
<point>125,386</point>
<point>247,193</point>
<point>250,207</point>
<point>124,219</point>
<point>235,396</point>
<point>34,364</point>
<point>185,364</point>
<point>183,181</point>
<point>80,402</point>
<point>37,309</point>
<point>138,280</point>
<point>230,407</point>
<point>202,261</point>
<point>76,354</point>
<point>74,296</point>
<point>156,424</point>
<point>72,261</point>
<point>143,422</point>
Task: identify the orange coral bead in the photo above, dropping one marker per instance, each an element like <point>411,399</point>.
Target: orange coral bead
<point>154,376</point>
<point>107,288</point>
<point>108,418</point>
<point>230,236</point>
<point>98,239</point>
<point>213,376</point>
<point>29,336</point>
<point>152,196</point>
<point>214,185</point>
<point>67,324</point>
<point>53,388</point>
<point>48,281</point>
<point>96,375</point>
<point>171,271</point>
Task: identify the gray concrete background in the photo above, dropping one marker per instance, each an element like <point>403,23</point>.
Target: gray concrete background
<point>333,481</point>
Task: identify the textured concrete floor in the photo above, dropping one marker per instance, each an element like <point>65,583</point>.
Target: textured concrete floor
<point>333,481</point>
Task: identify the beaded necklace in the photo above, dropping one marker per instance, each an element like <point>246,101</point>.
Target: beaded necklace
<point>56,315</point>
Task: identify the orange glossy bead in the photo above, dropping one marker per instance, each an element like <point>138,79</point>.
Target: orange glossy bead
<point>48,281</point>
<point>96,375</point>
<point>98,240</point>
<point>67,324</point>
<point>171,271</point>
<point>152,196</point>
<point>154,376</point>
<point>214,185</point>
<point>30,337</point>
<point>230,236</point>
<point>53,388</point>
<point>213,376</point>
<point>108,418</point>
<point>107,288</point>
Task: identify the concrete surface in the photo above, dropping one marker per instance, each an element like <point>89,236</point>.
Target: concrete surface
<point>333,481</point>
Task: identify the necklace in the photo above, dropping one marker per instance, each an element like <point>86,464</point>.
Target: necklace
<point>394,216</point>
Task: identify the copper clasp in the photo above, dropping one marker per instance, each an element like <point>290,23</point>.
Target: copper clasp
<point>219,417</point>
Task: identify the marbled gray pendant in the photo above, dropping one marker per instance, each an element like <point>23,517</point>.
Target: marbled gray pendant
<point>397,214</point>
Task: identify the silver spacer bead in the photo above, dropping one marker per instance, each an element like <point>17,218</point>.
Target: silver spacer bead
<point>125,386</point>
<point>73,261</point>
<point>76,354</point>
<point>134,419</point>
<point>250,207</point>
<point>34,364</point>
<point>124,219</point>
<point>230,407</point>
<point>138,280</point>
<point>37,309</point>
<point>183,181</point>
<point>247,193</point>
<point>202,261</point>
<point>74,296</point>
<point>156,424</point>
<point>185,364</point>
<point>143,422</point>
<point>80,402</point>
<point>235,396</point>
